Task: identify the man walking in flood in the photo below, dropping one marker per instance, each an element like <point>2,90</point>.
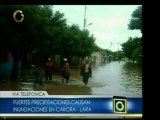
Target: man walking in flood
<point>48,69</point>
<point>65,71</point>
<point>86,72</point>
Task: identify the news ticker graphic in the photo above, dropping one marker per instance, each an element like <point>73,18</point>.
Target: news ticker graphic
<point>39,102</point>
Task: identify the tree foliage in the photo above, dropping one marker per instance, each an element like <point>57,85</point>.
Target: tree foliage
<point>42,33</point>
<point>130,46</point>
<point>136,21</point>
<point>133,47</point>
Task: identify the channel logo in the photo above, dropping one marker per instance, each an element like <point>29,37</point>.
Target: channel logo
<point>119,104</point>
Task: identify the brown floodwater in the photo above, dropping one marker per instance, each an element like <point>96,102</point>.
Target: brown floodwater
<point>108,79</point>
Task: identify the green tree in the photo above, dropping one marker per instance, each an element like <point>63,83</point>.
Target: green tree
<point>133,47</point>
<point>42,33</point>
<point>137,53</point>
<point>30,34</point>
<point>74,41</point>
<point>87,43</point>
<point>136,21</point>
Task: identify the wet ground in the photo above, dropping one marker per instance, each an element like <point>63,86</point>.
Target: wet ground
<point>109,79</point>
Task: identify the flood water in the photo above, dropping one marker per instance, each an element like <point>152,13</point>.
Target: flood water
<point>110,79</point>
<point>117,79</point>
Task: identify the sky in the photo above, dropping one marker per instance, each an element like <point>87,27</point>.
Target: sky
<point>109,22</point>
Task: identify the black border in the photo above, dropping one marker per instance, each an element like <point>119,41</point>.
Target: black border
<point>87,2</point>
<point>73,2</point>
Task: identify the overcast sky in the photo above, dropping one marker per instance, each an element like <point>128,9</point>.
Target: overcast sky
<point>109,22</point>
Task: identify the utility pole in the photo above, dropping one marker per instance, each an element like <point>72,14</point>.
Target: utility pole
<point>118,56</point>
<point>84,24</point>
<point>53,9</point>
<point>110,56</point>
<point>85,20</point>
<point>110,46</point>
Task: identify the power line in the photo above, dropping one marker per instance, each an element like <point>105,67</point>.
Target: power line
<point>70,22</point>
<point>101,28</point>
<point>70,11</point>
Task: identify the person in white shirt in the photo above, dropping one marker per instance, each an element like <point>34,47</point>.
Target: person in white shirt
<point>86,72</point>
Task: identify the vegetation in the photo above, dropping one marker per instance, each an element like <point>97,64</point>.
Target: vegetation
<point>133,47</point>
<point>136,21</point>
<point>42,34</point>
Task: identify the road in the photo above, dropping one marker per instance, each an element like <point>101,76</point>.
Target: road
<point>110,79</point>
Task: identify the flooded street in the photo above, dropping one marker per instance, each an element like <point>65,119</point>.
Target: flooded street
<point>109,79</point>
<point>116,79</point>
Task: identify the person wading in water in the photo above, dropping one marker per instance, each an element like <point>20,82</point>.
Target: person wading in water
<point>65,71</point>
<point>86,72</point>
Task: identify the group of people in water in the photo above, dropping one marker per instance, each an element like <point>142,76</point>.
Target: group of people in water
<point>85,72</point>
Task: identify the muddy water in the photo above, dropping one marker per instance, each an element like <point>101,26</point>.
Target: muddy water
<point>108,79</point>
<point>117,79</point>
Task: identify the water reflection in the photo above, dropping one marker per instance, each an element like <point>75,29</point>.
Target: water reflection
<point>132,78</point>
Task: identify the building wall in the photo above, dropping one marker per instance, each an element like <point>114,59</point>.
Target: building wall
<point>97,58</point>
<point>76,62</point>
